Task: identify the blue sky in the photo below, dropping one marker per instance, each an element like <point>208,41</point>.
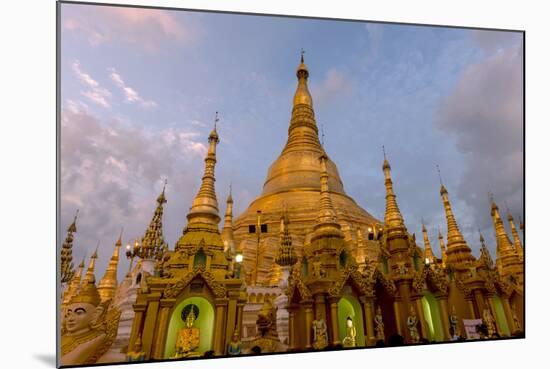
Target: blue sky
<point>139,90</point>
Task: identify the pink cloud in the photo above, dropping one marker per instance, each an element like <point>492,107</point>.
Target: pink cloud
<point>146,28</point>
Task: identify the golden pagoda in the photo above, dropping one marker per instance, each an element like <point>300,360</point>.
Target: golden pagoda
<point>195,276</point>
<point>318,270</point>
<point>293,179</point>
<point>108,284</point>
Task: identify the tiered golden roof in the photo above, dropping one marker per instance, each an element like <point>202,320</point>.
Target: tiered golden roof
<point>517,242</point>
<point>67,270</point>
<point>507,259</point>
<point>74,284</point>
<point>91,267</point>
<point>393,220</point>
<point>153,244</point>
<point>286,255</point>
<point>108,284</point>
<point>442,248</point>
<point>458,251</point>
<point>205,204</point>
<point>428,252</point>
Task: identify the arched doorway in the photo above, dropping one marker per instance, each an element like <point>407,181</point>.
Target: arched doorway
<point>500,315</point>
<point>348,306</point>
<point>204,321</point>
<point>432,315</point>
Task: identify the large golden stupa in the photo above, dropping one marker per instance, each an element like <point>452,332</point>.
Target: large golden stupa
<point>293,183</point>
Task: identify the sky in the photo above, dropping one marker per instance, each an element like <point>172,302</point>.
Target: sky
<point>140,88</point>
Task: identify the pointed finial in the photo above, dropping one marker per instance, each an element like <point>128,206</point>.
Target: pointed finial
<point>386,164</point>
<point>119,241</point>
<point>481,239</point>
<point>76,215</point>
<point>216,119</point>
<point>302,52</point>
<point>439,174</point>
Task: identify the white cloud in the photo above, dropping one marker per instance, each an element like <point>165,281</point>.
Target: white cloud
<point>94,91</point>
<point>131,95</point>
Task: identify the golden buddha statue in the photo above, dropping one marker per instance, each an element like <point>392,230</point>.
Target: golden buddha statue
<point>412,322</point>
<point>188,339</point>
<point>380,336</point>
<point>320,339</point>
<point>351,334</point>
<point>89,327</point>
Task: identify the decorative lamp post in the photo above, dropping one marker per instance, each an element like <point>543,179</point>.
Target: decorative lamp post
<point>239,261</point>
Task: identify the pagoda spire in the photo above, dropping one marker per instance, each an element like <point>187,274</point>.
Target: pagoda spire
<point>508,262</point>
<point>327,215</point>
<point>515,235</point>
<point>457,249</point>
<point>428,252</point>
<point>227,231</point>
<point>205,205</point>
<point>108,284</point>
<point>90,276</point>
<point>67,267</point>
<point>442,247</point>
<point>484,255</point>
<point>286,256</point>
<point>152,243</point>
<point>393,220</point>
<point>303,132</point>
<point>73,284</point>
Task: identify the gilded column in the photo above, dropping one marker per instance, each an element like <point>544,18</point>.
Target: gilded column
<point>334,321</point>
<point>291,330</point>
<point>149,325</point>
<point>398,322</point>
<point>219,331</point>
<point>309,321</point>
<point>239,318</point>
<point>471,309</point>
<point>231,323</point>
<point>136,325</point>
<point>369,318</point>
<point>508,313</point>
<point>162,328</point>
<point>444,316</point>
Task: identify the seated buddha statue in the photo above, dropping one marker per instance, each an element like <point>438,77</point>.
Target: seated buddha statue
<point>89,327</point>
<point>188,339</point>
<point>351,334</point>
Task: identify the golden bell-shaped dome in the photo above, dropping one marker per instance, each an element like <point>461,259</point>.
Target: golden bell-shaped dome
<point>293,179</point>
